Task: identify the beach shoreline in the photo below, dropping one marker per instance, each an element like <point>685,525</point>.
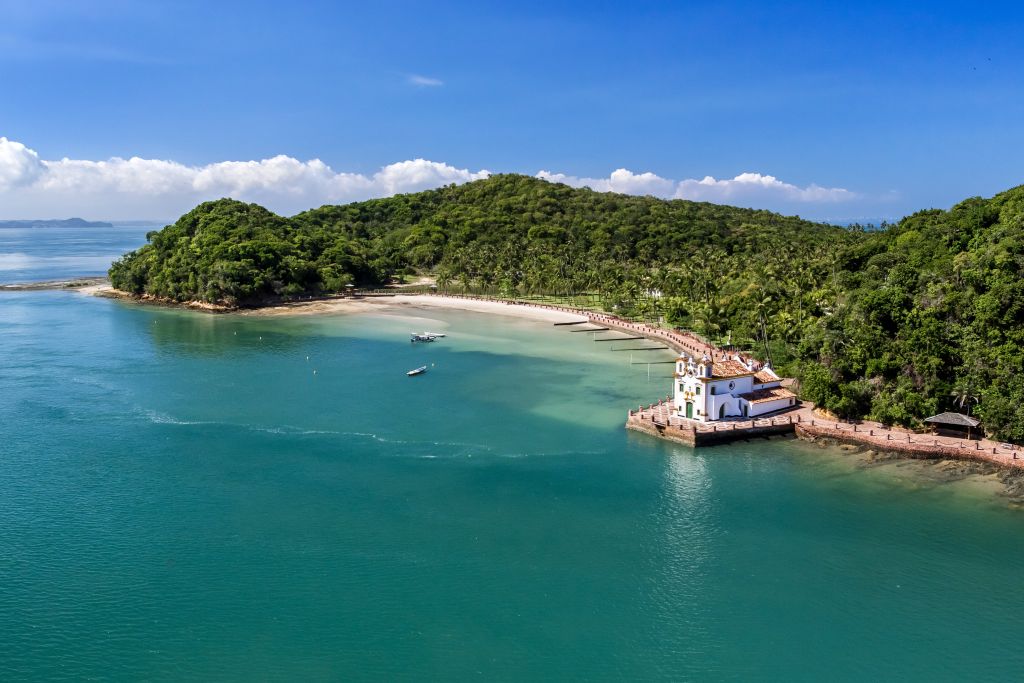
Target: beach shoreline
<point>346,305</point>
<point>400,301</point>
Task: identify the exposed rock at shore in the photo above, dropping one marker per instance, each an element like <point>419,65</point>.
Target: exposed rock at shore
<point>937,471</point>
<point>1013,486</point>
<point>963,468</point>
<point>873,457</point>
<point>160,301</point>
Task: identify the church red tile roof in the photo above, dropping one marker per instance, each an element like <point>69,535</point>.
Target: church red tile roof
<point>728,368</point>
<point>772,394</point>
<point>765,376</point>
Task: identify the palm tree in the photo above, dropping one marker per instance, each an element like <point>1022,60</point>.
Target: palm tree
<point>963,395</point>
<point>761,307</point>
<point>444,278</point>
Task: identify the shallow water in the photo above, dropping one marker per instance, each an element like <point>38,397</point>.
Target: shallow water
<point>181,497</point>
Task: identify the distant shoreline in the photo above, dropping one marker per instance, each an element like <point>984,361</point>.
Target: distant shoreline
<point>78,283</point>
<point>37,223</point>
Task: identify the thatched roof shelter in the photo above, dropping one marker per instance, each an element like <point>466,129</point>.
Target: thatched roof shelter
<point>953,419</point>
<point>957,423</point>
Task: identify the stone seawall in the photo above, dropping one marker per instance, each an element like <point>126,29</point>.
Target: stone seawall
<point>641,421</point>
<point>915,446</point>
<point>670,432</point>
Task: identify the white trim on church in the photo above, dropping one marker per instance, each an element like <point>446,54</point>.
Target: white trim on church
<point>708,390</point>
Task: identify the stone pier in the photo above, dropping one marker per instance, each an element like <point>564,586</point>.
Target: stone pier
<point>659,419</point>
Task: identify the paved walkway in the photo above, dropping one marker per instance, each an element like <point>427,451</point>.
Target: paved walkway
<point>871,434</point>
<point>879,436</point>
<point>679,341</point>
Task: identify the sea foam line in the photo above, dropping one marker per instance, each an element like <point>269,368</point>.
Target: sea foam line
<point>454,449</point>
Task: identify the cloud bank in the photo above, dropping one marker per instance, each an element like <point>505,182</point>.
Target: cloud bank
<point>747,189</point>
<point>120,189</point>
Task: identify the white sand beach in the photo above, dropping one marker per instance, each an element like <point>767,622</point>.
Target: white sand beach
<point>409,303</point>
<point>403,303</point>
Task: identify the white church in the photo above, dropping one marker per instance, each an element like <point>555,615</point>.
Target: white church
<point>715,390</point>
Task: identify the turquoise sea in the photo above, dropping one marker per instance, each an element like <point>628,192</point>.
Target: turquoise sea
<point>183,498</point>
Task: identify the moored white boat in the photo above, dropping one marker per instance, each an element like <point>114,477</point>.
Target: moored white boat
<point>425,336</point>
<point>418,371</point>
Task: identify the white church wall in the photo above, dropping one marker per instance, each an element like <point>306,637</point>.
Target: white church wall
<point>764,407</point>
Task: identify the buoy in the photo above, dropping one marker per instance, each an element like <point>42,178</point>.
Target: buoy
<point>314,372</point>
<point>307,357</point>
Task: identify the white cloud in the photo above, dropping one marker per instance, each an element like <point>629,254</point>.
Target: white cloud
<point>752,186</point>
<point>425,81</point>
<point>19,165</point>
<point>420,174</point>
<point>119,189</point>
<point>621,180</point>
<point>746,188</point>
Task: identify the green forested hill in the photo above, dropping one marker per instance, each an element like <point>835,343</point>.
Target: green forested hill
<point>894,324</point>
<point>513,232</point>
<point>929,316</point>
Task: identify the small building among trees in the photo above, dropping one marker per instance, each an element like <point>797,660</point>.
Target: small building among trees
<point>955,424</point>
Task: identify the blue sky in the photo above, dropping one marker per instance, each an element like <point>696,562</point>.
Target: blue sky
<point>885,108</point>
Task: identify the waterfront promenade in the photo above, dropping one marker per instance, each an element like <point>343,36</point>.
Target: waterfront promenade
<point>679,341</point>
<point>659,419</point>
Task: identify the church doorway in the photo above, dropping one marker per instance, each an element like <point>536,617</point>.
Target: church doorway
<point>721,412</point>
<point>689,410</point>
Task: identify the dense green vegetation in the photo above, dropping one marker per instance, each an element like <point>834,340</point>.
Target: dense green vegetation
<point>929,316</point>
<point>893,325</point>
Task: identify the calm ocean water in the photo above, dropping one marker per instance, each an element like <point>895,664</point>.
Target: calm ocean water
<point>182,498</point>
<point>37,254</point>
